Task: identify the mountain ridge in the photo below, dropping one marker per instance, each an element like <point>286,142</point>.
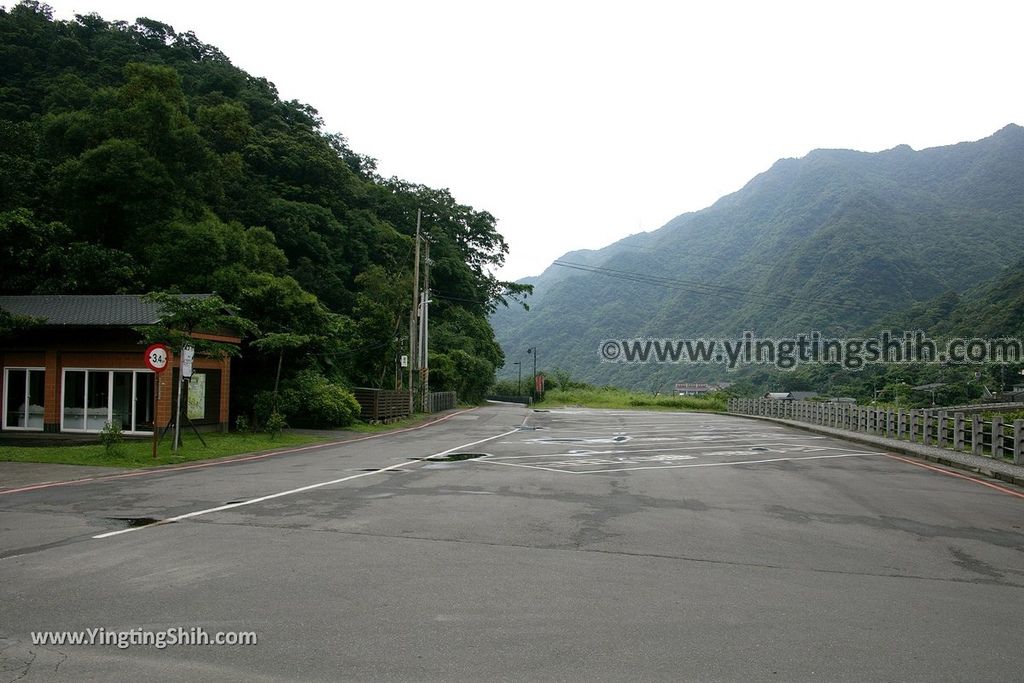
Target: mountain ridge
<point>830,240</point>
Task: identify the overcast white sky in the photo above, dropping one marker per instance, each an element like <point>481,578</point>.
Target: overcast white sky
<point>578,123</point>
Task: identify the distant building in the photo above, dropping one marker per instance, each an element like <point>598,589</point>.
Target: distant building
<point>803,395</point>
<point>699,388</point>
<point>83,367</point>
<point>779,396</point>
<point>791,395</point>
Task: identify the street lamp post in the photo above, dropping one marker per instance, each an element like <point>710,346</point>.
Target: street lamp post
<point>533,351</point>
<point>519,385</point>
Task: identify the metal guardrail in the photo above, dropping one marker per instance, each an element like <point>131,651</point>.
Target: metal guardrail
<point>441,400</point>
<point>509,398</point>
<point>939,427</point>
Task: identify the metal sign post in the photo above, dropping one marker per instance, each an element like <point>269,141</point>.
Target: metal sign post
<point>188,353</point>
<point>156,358</point>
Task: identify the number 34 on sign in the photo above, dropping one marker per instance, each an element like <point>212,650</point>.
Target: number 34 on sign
<point>157,357</point>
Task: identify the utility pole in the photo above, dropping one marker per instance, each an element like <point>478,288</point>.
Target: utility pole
<point>425,321</point>
<point>412,311</point>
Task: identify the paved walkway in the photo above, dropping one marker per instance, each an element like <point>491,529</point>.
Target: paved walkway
<point>17,474</point>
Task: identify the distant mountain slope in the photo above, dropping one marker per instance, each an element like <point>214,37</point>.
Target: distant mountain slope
<point>835,241</point>
<point>993,309</point>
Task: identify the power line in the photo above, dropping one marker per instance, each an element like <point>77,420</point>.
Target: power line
<point>706,288</point>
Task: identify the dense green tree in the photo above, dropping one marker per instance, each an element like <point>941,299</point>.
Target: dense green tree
<point>134,158</point>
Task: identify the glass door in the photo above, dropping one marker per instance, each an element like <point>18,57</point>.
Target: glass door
<point>144,401</point>
<point>73,415</point>
<point>92,398</point>
<point>23,398</point>
<point>97,394</point>
<point>123,400</point>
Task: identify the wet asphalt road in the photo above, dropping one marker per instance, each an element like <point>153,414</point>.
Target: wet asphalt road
<point>589,545</point>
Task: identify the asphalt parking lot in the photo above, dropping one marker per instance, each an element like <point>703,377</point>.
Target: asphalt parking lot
<point>507,544</point>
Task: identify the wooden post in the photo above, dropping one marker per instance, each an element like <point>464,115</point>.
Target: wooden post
<point>997,437</point>
<point>958,431</point>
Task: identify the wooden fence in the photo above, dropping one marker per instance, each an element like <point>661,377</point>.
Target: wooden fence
<point>995,438</point>
<point>382,405</point>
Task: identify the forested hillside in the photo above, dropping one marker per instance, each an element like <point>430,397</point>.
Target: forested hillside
<point>838,241</point>
<point>134,158</point>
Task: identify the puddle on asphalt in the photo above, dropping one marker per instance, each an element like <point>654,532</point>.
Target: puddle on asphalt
<point>455,457</point>
<point>134,522</point>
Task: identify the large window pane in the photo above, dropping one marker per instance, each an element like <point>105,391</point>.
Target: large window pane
<point>97,392</point>
<point>36,394</point>
<point>144,401</point>
<point>16,398</point>
<point>74,399</point>
<point>122,406</point>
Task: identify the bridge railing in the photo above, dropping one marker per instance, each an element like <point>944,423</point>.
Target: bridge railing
<point>995,438</point>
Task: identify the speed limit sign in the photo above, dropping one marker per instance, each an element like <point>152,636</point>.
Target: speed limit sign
<point>156,357</point>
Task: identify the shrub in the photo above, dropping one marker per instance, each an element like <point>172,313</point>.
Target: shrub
<point>242,424</point>
<point>309,400</point>
<point>111,437</point>
<point>322,403</point>
<point>275,424</point>
<point>263,405</point>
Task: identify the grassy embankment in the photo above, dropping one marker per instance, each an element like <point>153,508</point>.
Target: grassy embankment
<point>607,397</point>
<point>139,452</point>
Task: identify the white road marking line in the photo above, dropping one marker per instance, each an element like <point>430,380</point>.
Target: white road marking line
<point>703,447</point>
<point>310,487</point>
<point>668,467</point>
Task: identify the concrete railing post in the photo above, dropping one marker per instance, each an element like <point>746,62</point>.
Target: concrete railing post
<point>912,426</point>
<point>997,437</point>
<point>941,441</point>
<point>958,431</point>
<point>977,435</point>
<point>1018,442</point>
<point>926,428</point>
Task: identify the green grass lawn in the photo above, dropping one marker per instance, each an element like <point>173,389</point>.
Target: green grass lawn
<point>620,398</point>
<point>139,453</point>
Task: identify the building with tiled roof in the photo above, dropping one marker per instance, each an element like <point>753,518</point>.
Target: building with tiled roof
<point>78,365</point>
